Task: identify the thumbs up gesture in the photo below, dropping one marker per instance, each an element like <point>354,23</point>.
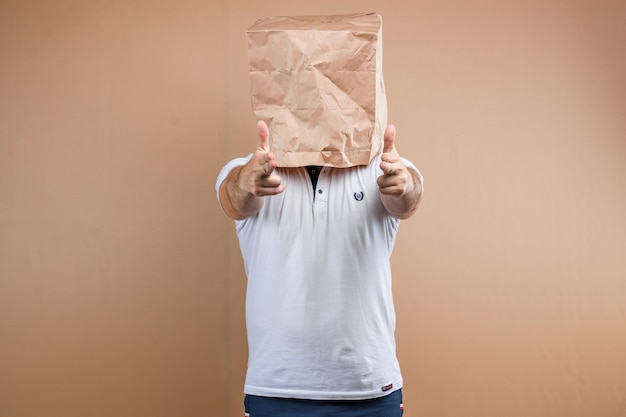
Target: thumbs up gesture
<point>400,188</point>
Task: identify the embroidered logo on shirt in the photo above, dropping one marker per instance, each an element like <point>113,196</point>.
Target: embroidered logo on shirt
<point>359,196</point>
<point>387,387</point>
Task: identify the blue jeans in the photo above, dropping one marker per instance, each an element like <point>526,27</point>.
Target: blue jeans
<point>387,406</point>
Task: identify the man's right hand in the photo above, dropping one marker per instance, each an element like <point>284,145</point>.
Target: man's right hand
<point>257,176</point>
<point>241,194</point>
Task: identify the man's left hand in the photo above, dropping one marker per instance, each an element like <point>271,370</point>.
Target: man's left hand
<point>399,186</point>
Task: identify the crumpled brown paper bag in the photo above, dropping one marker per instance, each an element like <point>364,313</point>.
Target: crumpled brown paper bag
<point>317,82</point>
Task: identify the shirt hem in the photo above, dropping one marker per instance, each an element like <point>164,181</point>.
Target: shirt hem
<point>322,395</point>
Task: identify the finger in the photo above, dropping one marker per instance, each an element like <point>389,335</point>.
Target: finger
<point>387,185</point>
<point>270,190</point>
<point>264,135</point>
<point>267,160</point>
<point>271,185</point>
<point>270,181</point>
<point>268,164</point>
<point>391,184</point>
<point>388,168</point>
<point>390,137</point>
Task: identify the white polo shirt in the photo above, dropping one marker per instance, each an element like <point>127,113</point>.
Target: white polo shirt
<point>319,308</point>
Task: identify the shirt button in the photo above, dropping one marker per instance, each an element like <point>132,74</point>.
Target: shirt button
<point>319,191</point>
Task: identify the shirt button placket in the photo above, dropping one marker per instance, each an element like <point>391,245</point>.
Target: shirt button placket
<point>321,191</point>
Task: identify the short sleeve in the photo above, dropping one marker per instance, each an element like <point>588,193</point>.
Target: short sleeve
<point>237,162</point>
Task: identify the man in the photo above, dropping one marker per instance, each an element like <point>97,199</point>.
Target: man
<point>316,243</point>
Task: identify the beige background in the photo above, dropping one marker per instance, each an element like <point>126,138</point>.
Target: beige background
<point>121,285</point>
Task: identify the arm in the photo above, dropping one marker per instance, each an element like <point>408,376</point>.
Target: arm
<point>400,187</point>
<point>243,190</point>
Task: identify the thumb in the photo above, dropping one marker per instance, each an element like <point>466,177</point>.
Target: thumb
<point>264,134</point>
<point>390,137</point>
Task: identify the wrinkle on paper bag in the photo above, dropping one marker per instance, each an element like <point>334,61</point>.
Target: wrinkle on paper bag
<point>317,83</point>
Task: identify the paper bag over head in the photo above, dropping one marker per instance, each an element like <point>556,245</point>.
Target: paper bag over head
<point>317,82</point>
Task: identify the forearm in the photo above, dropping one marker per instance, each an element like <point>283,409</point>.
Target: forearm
<point>404,205</point>
<point>236,202</point>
